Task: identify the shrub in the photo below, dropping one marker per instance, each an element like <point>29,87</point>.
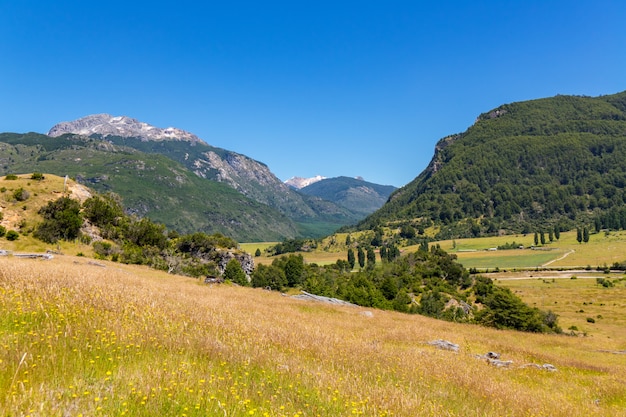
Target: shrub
<point>62,220</point>
<point>234,273</point>
<point>21,194</point>
<point>3,231</point>
<point>590,320</point>
<point>10,177</point>
<point>38,176</point>
<point>12,235</point>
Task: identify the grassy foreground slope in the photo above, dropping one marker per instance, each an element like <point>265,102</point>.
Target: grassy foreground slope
<point>82,339</point>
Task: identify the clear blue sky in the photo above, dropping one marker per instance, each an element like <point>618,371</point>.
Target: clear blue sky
<point>355,88</point>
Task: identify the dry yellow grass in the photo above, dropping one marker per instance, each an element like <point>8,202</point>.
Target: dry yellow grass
<point>80,339</point>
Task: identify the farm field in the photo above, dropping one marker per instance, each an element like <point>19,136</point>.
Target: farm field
<point>105,339</point>
<point>602,249</point>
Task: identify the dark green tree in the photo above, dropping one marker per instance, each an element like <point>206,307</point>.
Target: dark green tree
<point>257,253</point>
<point>557,232</point>
<point>536,239</point>
<point>383,253</point>
<point>579,235</point>
<point>351,259</point>
<point>269,276</point>
<point>585,234</point>
<point>542,237</point>
<point>62,220</point>
<point>361,257</point>
<point>234,273</point>
<point>371,257</point>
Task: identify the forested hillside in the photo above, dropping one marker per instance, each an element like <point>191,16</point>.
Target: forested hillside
<point>524,166</point>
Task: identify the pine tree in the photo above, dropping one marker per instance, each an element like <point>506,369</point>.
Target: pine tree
<point>585,234</point>
<point>579,235</point>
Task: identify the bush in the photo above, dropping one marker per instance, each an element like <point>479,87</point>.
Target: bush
<point>12,235</point>
<point>10,177</point>
<point>234,273</point>
<point>590,320</point>
<point>3,231</point>
<point>62,220</point>
<point>38,176</point>
<point>21,194</point>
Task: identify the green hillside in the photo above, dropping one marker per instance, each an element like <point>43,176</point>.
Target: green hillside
<point>151,185</point>
<point>522,167</point>
<point>313,218</point>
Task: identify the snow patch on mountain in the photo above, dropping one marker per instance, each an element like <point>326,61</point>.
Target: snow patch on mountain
<point>299,182</point>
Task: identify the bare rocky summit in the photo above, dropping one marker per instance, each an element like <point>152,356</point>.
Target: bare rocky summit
<point>106,125</point>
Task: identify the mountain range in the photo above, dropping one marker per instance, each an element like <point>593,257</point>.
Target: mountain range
<point>544,164</point>
<point>174,177</point>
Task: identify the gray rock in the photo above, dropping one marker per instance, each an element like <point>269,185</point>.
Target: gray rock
<point>444,344</point>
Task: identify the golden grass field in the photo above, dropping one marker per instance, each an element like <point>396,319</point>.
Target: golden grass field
<point>78,339</point>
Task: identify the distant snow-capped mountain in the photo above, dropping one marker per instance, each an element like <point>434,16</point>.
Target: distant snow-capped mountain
<point>106,125</point>
<point>299,182</point>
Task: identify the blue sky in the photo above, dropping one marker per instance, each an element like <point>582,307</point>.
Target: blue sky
<point>355,88</point>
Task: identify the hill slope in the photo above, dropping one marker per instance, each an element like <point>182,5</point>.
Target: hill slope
<point>151,185</point>
<point>143,343</point>
<point>521,167</point>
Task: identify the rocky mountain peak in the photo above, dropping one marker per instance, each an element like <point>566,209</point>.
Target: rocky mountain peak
<point>107,125</point>
<point>299,182</point>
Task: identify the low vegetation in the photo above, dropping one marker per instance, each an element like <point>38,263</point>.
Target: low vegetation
<point>83,339</point>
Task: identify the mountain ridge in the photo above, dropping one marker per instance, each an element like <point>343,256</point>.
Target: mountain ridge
<point>106,125</point>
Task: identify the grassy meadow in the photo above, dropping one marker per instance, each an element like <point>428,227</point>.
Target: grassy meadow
<point>80,339</point>
<point>565,253</point>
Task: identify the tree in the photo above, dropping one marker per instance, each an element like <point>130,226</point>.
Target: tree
<point>348,241</point>
<point>351,259</point>
<point>62,220</point>
<point>257,253</point>
<point>550,235</point>
<point>234,272</point>
<point>542,237</point>
<point>371,257</point>
<point>585,234</point>
<point>557,232</point>
<point>383,253</point>
<point>269,276</point>
<point>293,267</point>
<point>536,238</point>
<point>579,235</point>
<point>361,257</point>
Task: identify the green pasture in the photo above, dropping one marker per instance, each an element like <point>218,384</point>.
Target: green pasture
<point>509,259</point>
